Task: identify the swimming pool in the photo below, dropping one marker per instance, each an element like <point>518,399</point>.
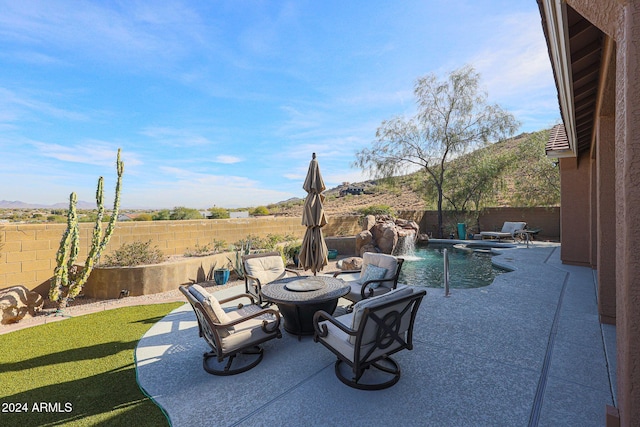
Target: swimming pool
<point>467,269</point>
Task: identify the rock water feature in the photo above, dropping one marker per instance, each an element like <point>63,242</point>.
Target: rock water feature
<point>385,234</point>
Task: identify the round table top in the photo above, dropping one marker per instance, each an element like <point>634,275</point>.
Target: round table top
<point>282,291</point>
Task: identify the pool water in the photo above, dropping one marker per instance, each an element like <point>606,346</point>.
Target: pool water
<point>425,267</point>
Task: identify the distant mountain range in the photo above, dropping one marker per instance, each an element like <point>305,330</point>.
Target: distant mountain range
<point>16,204</point>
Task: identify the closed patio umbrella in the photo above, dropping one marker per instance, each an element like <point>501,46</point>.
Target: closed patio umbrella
<point>313,253</point>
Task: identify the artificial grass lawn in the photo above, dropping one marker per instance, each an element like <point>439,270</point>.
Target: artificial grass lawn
<point>78,372</point>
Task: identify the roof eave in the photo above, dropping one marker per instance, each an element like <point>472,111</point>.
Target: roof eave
<point>554,21</point>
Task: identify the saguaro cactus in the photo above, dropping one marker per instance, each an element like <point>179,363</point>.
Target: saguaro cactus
<point>68,280</point>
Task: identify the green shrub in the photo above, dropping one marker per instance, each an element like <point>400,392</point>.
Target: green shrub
<point>219,213</point>
<point>144,217</point>
<point>377,210</point>
<point>219,245</point>
<point>198,250</point>
<point>180,212</point>
<point>162,215</point>
<point>291,249</point>
<point>260,211</point>
<point>134,253</point>
<point>57,219</point>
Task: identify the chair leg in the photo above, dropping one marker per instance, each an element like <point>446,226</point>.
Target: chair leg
<point>368,379</point>
<point>236,363</point>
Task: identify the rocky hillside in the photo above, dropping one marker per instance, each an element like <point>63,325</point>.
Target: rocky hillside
<point>399,192</point>
<point>350,204</point>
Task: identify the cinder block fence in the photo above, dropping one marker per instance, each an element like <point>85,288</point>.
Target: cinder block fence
<point>28,251</point>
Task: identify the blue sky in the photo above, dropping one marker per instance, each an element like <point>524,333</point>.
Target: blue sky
<point>221,103</point>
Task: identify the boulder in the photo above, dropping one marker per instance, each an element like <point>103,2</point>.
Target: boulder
<point>368,248</point>
<point>16,302</point>
<point>423,238</point>
<point>382,233</point>
<point>386,236</point>
<point>368,222</point>
<point>362,239</point>
<point>352,263</point>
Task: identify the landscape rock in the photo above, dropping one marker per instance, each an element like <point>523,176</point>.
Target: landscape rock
<point>363,238</point>
<point>386,237</point>
<point>368,248</point>
<point>352,263</point>
<point>368,222</point>
<point>16,302</point>
<point>422,237</point>
<point>387,233</point>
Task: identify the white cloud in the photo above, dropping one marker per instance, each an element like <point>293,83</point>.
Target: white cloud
<point>90,152</point>
<point>228,160</point>
<point>515,59</point>
<point>200,190</point>
<point>11,103</point>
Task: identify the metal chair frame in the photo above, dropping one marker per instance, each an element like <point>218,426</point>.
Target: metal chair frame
<point>366,291</point>
<point>386,335</point>
<point>213,361</point>
<point>256,292</point>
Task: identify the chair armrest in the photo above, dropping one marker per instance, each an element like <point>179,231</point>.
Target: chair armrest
<point>323,331</point>
<point>248,276</point>
<point>222,301</point>
<point>368,282</point>
<point>292,271</point>
<point>254,315</point>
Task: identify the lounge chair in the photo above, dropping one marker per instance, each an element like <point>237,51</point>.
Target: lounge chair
<point>509,231</point>
<point>232,334</point>
<point>261,269</point>
<point>381,278</point>
<point>364,339</point>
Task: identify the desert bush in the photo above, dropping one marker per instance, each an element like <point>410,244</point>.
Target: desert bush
<point>377,210</point>
<point>180,212</point>
<point>219,213</point>
<point>260,211</point>
<point>199,250</point>
<point>134,253</point>
<point>144,217</point>
<point>162,215</point>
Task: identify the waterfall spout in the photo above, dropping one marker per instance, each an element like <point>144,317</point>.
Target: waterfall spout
<point>406,247</point>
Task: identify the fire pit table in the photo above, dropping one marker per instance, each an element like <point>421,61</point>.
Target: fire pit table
<point>298,298</point>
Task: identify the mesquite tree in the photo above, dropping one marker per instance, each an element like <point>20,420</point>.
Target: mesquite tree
<point>453,117</point>
<point>68,279</point>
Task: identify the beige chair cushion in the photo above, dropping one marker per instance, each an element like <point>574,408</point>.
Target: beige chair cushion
<point>341,341</point>
<point>213,308</point>
<point>266,269</point>
<point>371,327</point>
<point>248,331</point>
<point>388,262</point>
<point>355,295</point>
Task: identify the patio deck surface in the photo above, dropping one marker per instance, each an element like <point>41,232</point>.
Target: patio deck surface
<point>527,350</point>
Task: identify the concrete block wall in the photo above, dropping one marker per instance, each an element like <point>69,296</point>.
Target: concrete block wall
<point>28,251</point>
<point>492,219</point>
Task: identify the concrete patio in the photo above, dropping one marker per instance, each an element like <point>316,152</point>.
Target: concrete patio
<point>527,350</point>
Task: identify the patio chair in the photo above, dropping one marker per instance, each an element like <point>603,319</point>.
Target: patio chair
<point>379,275</point>
<point>261,269</point>
<point>232,334</point>
<point>509,231</point>
<point>364,339</point>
